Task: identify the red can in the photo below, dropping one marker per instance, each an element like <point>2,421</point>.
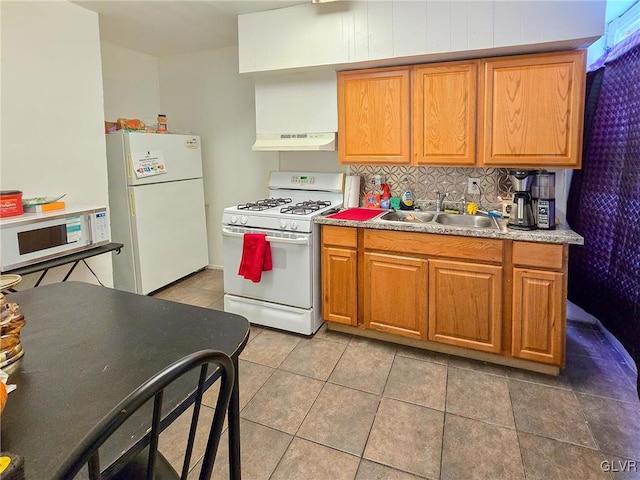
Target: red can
<point>10,203</point>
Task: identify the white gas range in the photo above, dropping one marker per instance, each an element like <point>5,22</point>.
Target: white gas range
<point>288,296</point>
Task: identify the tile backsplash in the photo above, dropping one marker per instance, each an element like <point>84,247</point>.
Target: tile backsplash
<point>425,181</point>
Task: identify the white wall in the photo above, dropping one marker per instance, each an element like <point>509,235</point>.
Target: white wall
<point>204,93</point>
<point>311,162</point>
<point>563,184</point>
<point>131,84</point>
<point>52,112</point>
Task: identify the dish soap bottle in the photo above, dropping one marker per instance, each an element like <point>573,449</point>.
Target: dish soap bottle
<point>406,199</point>
<point>386,196</point>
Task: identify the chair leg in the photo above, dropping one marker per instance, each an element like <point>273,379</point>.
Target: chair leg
<point>155,433</point>
<point>194,422</point>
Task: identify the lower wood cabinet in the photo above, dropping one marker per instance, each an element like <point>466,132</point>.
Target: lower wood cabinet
<point>340,279</point>
<point>465,304</point>
<point>506,298</point>
<point>340,275</point>
<point>538,316</point>
<point>395,294</point>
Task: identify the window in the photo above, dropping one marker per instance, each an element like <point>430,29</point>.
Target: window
<point>623,26</point>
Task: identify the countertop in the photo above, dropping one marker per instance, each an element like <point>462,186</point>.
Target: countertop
<point>561,234</point>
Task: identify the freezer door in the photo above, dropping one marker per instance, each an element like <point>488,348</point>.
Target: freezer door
<point>180,154</point>
<point>169,232</point>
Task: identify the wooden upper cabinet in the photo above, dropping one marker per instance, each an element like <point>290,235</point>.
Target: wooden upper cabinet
<point>532,110</point>
<point>444,113</point>
<point>373,116</point>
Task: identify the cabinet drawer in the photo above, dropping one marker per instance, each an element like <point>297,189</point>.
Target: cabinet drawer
<point>543,255</point>
<point>340,236</point>
<point>468,248</point>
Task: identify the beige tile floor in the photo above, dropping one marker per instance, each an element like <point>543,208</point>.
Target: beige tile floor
<point>337,406</point>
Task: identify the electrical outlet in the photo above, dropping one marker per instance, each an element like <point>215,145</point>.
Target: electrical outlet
<point>473,186</point>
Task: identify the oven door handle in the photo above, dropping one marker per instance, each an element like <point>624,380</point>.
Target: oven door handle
<point>292,241</point>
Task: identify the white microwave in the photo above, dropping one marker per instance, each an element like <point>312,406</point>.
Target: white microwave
<point>35,237</point>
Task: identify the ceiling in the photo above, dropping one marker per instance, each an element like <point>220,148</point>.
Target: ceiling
<point>162,28</point>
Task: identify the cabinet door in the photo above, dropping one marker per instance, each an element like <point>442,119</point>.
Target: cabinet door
<point>339,285</point>
<point>373,116</point>
<point>395,294</point>
<point>538,316</point>
<point>465,304</point>
<point>533,110</point>
<point>444,113</point>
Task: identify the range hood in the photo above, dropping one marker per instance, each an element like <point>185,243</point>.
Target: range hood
<point>282,142</point>
<point>296,112</point>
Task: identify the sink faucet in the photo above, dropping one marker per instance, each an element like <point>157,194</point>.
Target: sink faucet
<point>439,199</point>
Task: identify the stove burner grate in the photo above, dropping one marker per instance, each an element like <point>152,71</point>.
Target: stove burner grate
<point>264,204</point>
<point>305,208</point>
<point>314,203</point>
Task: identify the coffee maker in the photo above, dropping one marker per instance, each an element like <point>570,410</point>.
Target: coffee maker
<point>543,193</point>
<point>521,217</point>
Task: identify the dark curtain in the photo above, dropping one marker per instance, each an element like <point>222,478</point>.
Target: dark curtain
<point>604,199</point>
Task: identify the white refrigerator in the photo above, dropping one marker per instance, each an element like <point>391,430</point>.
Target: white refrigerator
<point>157,208</point>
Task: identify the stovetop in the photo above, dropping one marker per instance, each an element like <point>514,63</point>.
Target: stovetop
<point>277,213</point>
<point>294,199</point>
<point>281,206</point>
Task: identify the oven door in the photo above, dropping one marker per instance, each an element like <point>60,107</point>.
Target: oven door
<point>290,280</point>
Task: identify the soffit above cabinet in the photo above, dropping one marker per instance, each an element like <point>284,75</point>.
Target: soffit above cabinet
<point>368,34</point>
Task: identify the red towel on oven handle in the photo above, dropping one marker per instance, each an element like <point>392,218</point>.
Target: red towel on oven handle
<point>256,256</point>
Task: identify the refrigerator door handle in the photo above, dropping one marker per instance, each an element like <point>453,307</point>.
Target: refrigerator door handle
<point>132,205</point>
<point>128,166</point>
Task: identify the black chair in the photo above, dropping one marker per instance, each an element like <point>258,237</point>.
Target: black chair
<point>150,463</point>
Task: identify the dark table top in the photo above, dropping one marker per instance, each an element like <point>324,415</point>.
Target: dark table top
<point>86,348</point>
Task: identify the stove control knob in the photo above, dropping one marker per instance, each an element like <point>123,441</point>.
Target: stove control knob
<point>234,219</point>
<point>294,225</point>
<point>283,224</point>
<point>243,220</point>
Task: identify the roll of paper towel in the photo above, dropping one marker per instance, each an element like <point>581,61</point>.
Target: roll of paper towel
<point>351,191</point>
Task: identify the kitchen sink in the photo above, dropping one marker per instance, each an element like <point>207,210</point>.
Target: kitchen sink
<point>408,216</point>
<point>473,221</point>
<point>468,221</point>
